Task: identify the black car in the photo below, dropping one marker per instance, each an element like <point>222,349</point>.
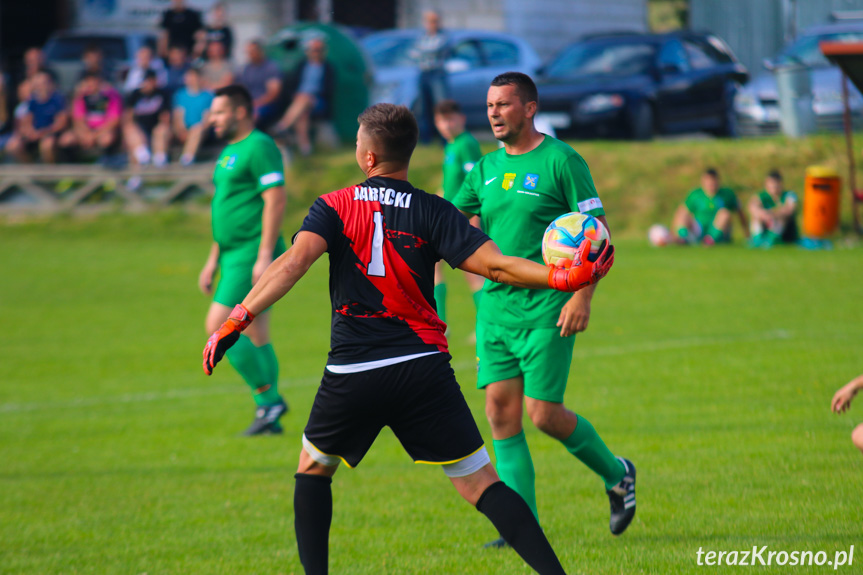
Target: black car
<point>635,85</point>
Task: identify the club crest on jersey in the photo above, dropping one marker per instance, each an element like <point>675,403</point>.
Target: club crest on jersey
<point>228,162</point>
<point>530,181</point>
<point>508,180</point>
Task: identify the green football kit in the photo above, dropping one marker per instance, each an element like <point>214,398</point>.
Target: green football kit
<point>459,158</point>
<point>704,209</point>
<point>785,231</point>
<point>243,172</point>
<point>516,197</point>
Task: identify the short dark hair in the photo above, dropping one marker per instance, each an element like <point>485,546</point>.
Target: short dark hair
<point>393,128</point>
<point>238,96</point>
<point>711,172</point>
<point>446,107</point>
<point>774,174</point>
<point>524,86</point>
<point>150,74</point>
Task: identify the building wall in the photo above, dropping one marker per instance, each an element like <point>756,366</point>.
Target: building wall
<point>547,24</point>
<point>759,30</point>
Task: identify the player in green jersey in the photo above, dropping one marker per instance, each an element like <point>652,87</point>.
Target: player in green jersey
<point>705,215</point>
<point>772,212</point>
<point>247,212</point>
<point>524,343</point>
<point>460,154</point>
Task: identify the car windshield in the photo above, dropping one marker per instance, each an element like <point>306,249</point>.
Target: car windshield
<point>805,50</point>
<point>622,59</point>
<point>71,48</point>
<point>390,51</point>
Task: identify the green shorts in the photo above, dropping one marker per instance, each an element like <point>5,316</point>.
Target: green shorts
<point>235,273</point>
<point>540,355</point>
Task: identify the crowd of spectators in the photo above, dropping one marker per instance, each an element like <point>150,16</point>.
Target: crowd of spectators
<point>156,111</point>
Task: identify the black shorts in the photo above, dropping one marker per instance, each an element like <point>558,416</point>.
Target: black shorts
<point>419,399</point>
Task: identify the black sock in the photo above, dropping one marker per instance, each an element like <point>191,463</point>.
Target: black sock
<point>313,513</point>
<point>516,524</point>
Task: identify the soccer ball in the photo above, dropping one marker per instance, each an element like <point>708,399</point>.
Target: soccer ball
<point>566,233</point>
<point>658,235</point>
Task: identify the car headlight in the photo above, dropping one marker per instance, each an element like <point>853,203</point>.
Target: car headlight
<point>600,103</point>
<point>744,100</point>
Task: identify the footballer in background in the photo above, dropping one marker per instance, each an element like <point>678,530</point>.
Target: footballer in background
<point>461,153</point>
<point>247,210</point>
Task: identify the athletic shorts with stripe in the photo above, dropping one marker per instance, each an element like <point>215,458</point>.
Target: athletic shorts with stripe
<point>419,399</point>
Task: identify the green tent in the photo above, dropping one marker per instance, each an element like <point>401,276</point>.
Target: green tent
<point>352,72</point>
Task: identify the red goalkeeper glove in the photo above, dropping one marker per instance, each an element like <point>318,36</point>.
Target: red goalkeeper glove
<point>582,273</point>
<point>226,336</point>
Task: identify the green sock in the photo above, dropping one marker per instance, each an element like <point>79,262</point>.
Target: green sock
<point>440,300</point>
<point>477,295</point>
<point>515,467</point>
<point>246,359</point>
<point>270,364</point>
<point>683,233</point>
<point>589,448</point>
<point>715,233</point>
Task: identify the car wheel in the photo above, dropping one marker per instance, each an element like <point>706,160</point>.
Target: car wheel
<point>641,123</point>
<point>729,127</point>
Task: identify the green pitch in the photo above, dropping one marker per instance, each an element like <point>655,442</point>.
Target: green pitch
<point>712,369</point>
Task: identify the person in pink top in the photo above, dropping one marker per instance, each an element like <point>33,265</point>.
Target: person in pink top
<point>96,114</point>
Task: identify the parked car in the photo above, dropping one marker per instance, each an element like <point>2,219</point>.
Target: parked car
<point>634,85</point>
<point>64,49</point>
<point>474,58</point>
<point>757,104</point>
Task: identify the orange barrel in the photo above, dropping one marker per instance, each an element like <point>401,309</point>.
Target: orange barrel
<point>821,202</point>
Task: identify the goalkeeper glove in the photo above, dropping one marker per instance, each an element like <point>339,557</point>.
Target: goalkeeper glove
<point>582,272</point>
<point>226,336</point>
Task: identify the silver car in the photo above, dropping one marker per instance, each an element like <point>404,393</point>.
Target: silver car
<point>474,58</point>
<point>757,103</point>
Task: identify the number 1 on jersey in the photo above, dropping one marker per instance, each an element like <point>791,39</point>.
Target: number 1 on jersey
<point>376,266</point>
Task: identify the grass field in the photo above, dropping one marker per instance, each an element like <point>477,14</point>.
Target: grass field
<point>711,369</point>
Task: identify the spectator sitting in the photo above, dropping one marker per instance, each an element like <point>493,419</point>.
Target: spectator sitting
<point>34,62</point>
<point>96,113</point>
<point>705,216</point>
<point>262,78</point>
<point>772,214</point>
<point>147,122</point>
<point>5,116</point>
<point>179,26</point>
<point>46,118</point>
<point>178,63</point>
<point>94,63</point>
<point>144,61</point>
<point>217,31</point>
<point>216,72</point>
<point>190,115</point>
<point>313,96</point>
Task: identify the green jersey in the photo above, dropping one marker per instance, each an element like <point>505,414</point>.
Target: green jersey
<point>244,171</point>
<point>704,208</point>
<point>459,157</point>
<point>768,203</point>
<point>516,197</point>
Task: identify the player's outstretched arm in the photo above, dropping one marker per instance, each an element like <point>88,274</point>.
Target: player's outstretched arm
<point>489,262</point>
<point>278,279</point>
<point>842,399</point>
